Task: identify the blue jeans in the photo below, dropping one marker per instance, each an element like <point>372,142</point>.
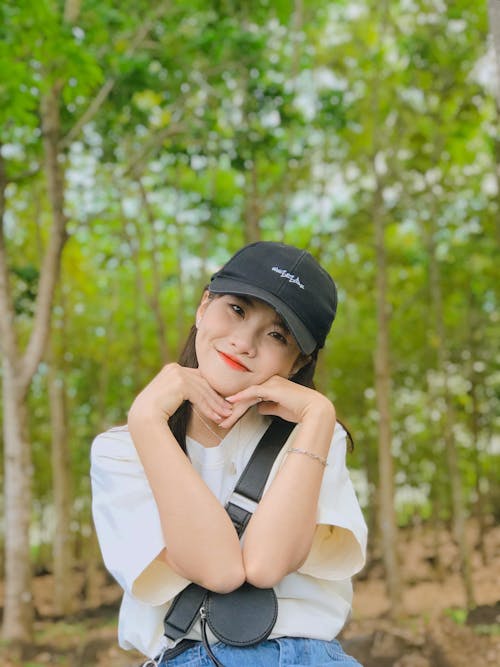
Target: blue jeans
<point>281,652</point>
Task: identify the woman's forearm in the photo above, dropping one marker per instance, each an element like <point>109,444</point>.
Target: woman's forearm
<point>279,535</point>
<point>201,542</point>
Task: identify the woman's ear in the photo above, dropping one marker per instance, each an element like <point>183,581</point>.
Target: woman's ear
<point>200,311</point>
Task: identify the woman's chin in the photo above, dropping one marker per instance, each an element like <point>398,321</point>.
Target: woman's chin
<point>224,386</point>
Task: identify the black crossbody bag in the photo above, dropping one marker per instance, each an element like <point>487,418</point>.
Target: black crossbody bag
<point>247,615</point>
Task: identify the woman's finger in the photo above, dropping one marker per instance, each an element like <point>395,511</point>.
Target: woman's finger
<point>278,396</point>
<point>254,394</point>
<point>208,401</point>
<point>239,410</point>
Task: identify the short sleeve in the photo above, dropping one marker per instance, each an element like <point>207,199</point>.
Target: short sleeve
<point>127,521</point>
<point>338,550</point>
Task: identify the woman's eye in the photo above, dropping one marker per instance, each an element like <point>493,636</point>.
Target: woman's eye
<point>279,337</point>
<point>237,309</point>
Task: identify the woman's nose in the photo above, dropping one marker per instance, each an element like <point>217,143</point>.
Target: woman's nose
<point>243,340</point>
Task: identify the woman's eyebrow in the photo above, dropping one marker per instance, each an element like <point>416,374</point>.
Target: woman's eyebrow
<point>278,322</point>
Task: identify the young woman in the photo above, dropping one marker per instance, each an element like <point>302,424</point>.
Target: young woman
<point>160,484</point>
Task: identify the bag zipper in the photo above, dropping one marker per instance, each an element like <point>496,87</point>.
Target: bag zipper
<point>206,643</point>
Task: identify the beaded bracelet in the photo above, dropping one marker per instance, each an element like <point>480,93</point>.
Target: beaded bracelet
<point>295,450</point>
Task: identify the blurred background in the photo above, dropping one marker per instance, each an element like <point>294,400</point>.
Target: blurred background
<point>141,144</point>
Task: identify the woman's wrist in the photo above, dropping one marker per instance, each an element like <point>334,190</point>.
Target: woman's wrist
<point>322,460</point>
<point>320,410</point>
<point>145,412</point>
<point>148,427</point>
<point>316,428</point>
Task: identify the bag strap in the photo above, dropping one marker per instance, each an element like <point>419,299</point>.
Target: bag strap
<point>183,612</point>
<point>252,481</point>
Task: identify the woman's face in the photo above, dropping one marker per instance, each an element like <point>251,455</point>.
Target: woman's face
<point>241,342</point>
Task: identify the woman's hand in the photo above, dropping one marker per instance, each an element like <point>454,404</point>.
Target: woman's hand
<point>173,385</point>
<point>283,398</point>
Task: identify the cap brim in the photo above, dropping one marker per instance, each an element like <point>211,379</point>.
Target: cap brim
<point>299,331</point>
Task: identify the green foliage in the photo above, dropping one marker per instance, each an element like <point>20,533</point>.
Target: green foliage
<point>25,288</point>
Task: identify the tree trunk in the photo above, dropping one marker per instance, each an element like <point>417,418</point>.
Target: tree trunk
<point>88,546</point>
<point>457,502</point>
<point>138,296</point>
<point>369,463</point>
<point>438,527</point>
<point>438,489</point>
<point>475,432</point>
<point>18,606</point>
<point>154,298</point>
<point>61,485</point>
<point>93,568</point>
<point>458,505</point>
<point>494,21</point>
<point>387,514</point>
<point>386,510</point>
<point>474,333</point>
<point>18,609</point>
<point>181,294</point>
<point>18,374</point>
<point>252,205</point>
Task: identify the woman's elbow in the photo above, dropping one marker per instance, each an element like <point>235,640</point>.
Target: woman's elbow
<point>224,582</point>
<point>263,575</point>
<point>266,571</point>
<point>217,578</point>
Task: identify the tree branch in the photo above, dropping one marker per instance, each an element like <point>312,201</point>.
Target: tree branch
<point>154,141</point>
<point>91,111</point>
<point>52,260</point>
<point>108,86</point>
<point>8,339</point>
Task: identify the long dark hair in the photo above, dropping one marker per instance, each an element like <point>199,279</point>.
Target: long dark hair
<point>179,421</point>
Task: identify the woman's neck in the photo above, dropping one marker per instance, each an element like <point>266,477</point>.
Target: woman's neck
<point>205,431</point>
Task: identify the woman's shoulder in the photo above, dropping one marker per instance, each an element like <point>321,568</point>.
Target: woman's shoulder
<point>115,433</point>
<point>338,446</point>
<point>116,442</point>
<point>339,438</point>
<point>123,428</point>
<point>339,431</point>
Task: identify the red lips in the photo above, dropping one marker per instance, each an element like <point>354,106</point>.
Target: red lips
<point>232,362</point>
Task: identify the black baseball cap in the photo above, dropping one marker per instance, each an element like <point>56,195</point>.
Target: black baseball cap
<point>289,280</point>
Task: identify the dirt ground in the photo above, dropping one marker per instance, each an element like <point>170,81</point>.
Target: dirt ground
<point>434,629</point>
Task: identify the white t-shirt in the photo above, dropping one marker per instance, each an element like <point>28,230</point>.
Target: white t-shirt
<point>313,602</point>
